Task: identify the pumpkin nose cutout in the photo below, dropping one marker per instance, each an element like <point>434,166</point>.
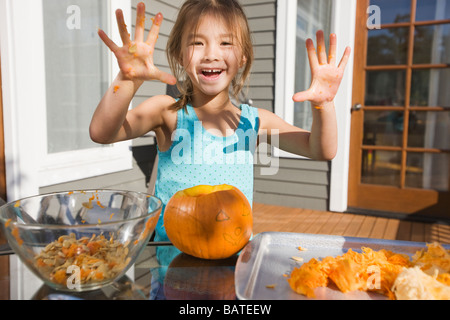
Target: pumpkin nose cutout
<point>222,216</point>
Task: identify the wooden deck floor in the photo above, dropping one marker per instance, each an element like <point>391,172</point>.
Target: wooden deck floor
<point>286,219</point>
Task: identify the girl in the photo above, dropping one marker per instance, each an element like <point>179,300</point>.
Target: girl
<point>202,137</point>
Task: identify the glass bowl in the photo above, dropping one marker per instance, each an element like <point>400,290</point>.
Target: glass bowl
<point>80,240</point>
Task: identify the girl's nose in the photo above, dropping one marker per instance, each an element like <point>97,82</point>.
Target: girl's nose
<point>211,53</point>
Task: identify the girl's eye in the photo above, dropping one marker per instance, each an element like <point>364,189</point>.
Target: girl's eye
<point>197,43</point>
<point>227,43</point>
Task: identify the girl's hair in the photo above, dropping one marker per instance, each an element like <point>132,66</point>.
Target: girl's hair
<point>189,17</point>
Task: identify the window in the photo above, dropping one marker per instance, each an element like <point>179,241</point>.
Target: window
<point>311,17</point>
<point>297,21</point>
<point>76,70</point>
<point>56,69</point>
<point>407,74</point>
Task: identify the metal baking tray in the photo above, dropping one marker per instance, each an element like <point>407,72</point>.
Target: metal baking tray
<point>262,263</point>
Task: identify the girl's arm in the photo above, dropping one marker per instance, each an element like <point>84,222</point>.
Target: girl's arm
<point>112,121</point>
<point>321,142</point>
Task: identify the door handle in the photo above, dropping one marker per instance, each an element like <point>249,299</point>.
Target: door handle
<point>356,107</point>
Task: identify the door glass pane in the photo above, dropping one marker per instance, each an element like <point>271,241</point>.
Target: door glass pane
<point>311,17</point>
<point>429,130</point>
<point>430,87</point>
<point>387,46</point>
<point>432,44</point>
<point>427,171</point>
<point>76,70</point>
<point>393,11</point>
<point>383,128</point>
<point>432,10</point>
<point>385,88</point>
<point>381,167</point>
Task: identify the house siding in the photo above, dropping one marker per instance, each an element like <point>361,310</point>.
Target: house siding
<point>136,179</point>
<point>298,182</point>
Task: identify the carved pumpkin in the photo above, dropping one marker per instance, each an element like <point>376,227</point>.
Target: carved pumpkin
<point>209,222</point>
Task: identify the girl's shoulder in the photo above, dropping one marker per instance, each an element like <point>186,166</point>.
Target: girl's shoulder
<point>269,120</point>
<point>162,102</point>
<point>158,109</point>
<point>264,114</point>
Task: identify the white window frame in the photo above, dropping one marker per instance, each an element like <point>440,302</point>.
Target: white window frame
<point>29,165</point>
<point>285,83</point>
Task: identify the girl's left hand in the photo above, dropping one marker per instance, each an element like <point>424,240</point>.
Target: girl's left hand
<point>326,77</point>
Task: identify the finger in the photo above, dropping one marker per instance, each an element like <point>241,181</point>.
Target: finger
<point>165,77</point>
<point>302,96</point>
<point>154,31</point>
<point>312,56</point>
<point>124,35</point>
<point>109,43</point>
<point>332,51</point>
<point>345,57</point>
<point>321,50</point>
<point>140,22</point>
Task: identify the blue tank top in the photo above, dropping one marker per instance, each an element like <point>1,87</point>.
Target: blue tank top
<point>200,157</point>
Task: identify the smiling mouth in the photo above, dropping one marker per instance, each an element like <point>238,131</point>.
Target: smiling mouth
<point>212,73</point>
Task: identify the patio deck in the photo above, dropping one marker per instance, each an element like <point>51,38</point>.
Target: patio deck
<point>286,219</point>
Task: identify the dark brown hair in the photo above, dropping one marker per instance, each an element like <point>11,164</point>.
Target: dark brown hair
<point>190,15</point>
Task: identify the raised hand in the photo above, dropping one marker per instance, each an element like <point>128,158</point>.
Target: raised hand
<point>135,58</point>
<point>326,76</point>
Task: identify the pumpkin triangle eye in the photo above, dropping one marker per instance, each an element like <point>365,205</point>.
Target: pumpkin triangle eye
<point>222,216</point>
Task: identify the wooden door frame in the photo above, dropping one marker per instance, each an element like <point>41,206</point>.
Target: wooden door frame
<point>359,82</point>
<point>415,201</point>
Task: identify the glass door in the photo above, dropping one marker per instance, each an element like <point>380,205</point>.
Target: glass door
<point>400,146</point>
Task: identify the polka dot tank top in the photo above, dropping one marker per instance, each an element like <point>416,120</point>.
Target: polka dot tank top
<point>202,157</point>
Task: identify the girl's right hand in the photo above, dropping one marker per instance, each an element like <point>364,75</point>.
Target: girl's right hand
<point>135,58</point>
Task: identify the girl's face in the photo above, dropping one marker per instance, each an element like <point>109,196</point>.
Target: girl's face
<point>211,57</point>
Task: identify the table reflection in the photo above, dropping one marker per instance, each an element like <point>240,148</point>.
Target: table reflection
<point>162,272</point>
<point>189,278</point>
<point>123,289</point>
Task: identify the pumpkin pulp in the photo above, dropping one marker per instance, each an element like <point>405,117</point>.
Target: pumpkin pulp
<point>202,190</point>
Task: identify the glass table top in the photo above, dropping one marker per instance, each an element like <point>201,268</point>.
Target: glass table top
<point>162,272</point>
